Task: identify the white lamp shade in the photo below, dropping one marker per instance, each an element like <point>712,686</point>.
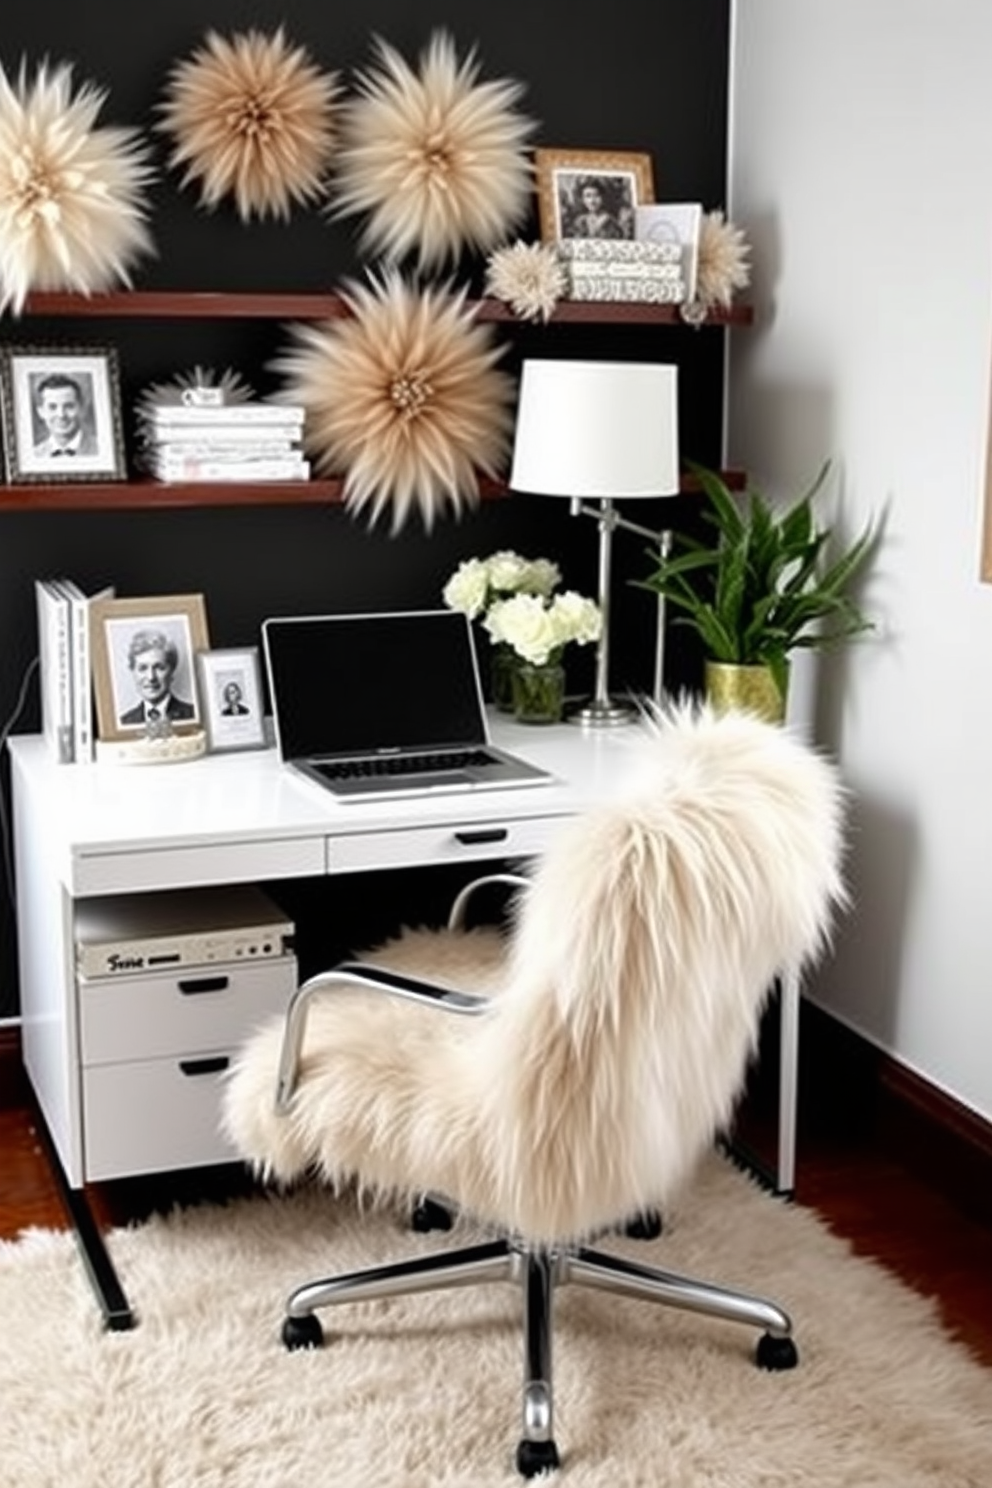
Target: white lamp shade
<point>596,430</point>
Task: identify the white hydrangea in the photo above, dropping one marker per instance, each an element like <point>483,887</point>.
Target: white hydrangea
<point>538,629</point>
<point>468,588</point>
<point>478,582</point>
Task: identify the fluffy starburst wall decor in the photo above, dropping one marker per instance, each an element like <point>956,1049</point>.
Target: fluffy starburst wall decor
<point>403,398</point>
<point>722,266</point>
<point>252,117</point>
<point>72,206</point>
<point>529,277</point>
<point>436,159</point>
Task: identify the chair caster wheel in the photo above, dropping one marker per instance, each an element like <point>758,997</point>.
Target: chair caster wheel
<point>776,1353</point>
<point>644,1226</point>
<point>302,1332</point>
<point>430,1215</point>
<point>537,1457</point>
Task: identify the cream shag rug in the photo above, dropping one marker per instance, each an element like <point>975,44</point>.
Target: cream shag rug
<point>425,1390</point>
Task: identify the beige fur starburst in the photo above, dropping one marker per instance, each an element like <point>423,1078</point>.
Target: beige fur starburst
<point>529,277</point>
<point>436,159</point>
<point>72,207</point>
<point>252,117</point>
<point>403,397</point>
<point>723,266</point>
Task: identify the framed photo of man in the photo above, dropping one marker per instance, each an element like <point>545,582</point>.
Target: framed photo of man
<point>590,193</point>
<point>231,690</point>
<point>144,670</point>
<point>61,410</point>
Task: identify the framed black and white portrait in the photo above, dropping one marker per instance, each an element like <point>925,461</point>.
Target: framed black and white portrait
<point>61,409</point>
<point>231,692</point>
<point>591,193</point>
<point>144,672</point>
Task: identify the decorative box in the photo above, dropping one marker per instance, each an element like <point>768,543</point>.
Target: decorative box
<point>604,269</point>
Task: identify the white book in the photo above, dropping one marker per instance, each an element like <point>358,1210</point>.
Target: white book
<point>290,467</point>
<point>169,446</point>
<point>223,413</point>
<point>82,672</point>
<point>55,669</point>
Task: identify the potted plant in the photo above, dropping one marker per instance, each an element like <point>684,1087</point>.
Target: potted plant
<point>764,587</point>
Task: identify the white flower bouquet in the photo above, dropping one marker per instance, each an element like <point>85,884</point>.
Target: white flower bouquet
<point>538,627</point>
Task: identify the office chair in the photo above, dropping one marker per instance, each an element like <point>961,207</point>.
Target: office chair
<point>556,1076</point>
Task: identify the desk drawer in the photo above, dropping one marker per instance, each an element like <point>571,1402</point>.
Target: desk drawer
<point>178,1012</point>
<point>423,846</point>
<point>154,1115</point>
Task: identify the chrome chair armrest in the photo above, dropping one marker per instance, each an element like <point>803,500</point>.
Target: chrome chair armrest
<point>456,916</point>
<point>352,974</point>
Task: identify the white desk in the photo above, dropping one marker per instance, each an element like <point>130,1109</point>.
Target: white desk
<point>84,830</point>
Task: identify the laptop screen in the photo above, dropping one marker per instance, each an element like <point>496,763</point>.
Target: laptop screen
<point>358,684</point>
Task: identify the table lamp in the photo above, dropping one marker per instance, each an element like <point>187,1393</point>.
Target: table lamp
<point>598,432</point>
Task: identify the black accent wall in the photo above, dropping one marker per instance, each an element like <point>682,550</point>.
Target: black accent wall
<point>651,79</point>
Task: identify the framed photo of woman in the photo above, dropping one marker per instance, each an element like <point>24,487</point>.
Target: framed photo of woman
<point>231,689</point>
<point>143,664</point>
<point>61,410</point>
<point>591,193</point>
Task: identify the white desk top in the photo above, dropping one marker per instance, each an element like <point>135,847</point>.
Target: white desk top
<point>243,816</point>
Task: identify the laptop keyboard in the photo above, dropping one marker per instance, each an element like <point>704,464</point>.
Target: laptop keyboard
<point>402,764</point>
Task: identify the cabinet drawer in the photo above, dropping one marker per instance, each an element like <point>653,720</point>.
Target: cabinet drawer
<point>179,1011</point>
<point>422,846</point>
<point>154,1114</point>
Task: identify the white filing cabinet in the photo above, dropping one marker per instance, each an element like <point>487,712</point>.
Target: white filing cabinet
<point>181,980</point>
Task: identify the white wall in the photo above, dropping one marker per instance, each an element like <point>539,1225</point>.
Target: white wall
<point>861,172</point>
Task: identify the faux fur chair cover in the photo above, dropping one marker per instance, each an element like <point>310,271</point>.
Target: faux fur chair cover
<point>626,998</point>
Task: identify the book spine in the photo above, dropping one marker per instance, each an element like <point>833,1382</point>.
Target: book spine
<point>251,414</point>
<point>194,469</point>
<point>55,668</point>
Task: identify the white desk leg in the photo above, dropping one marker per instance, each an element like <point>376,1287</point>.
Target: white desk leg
<point>788,1081</point>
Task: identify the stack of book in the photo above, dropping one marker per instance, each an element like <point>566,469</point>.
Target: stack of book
<point>66,674</point>
<point>244,441</point>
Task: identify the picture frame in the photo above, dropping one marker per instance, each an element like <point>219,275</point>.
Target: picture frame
<point>624,180</point>
<point>230,681</point>
<point>61,414</point>
<point>143,653</point>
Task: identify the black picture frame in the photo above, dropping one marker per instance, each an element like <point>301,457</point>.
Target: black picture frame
<point>84,440</point>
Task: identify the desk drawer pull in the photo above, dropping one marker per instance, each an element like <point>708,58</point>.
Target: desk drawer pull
<point>212,1065</point>
<point>484,834</point>
<point>194,986</point>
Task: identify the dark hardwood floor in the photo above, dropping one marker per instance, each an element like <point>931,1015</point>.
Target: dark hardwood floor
<point>856,1173</point>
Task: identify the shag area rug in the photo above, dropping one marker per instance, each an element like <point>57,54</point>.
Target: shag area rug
<point>426,1390</point>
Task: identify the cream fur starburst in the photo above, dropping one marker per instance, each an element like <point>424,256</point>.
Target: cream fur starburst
<point>436,159</point>
<point>72,209</point>
<point>252,117</point>
<point>723,266</point>
<point>529,277</point>
<point>402,397</point>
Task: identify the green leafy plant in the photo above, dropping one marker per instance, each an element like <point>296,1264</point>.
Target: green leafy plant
<point>768,584</point>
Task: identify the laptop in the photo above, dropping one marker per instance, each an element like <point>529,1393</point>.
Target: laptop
<point>377,706</point>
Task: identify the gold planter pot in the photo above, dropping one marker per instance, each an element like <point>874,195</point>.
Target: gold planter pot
<point>750,689</point>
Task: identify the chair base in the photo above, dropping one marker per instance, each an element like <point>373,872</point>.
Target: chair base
<point>538,1273</point>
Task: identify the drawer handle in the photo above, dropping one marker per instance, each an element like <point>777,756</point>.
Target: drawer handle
<point>193,987</point>
<point>483,834</point>
<point>212,1065</point>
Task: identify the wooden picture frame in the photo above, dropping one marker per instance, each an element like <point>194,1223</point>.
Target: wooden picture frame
<point>61,411</point>
<point>231,693</point>
<point>624,180</point>
<point>143,654</point>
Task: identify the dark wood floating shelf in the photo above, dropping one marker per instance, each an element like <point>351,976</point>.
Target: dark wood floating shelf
<point>179,304</point>
<point>169,304</point>
<point>150,494</point>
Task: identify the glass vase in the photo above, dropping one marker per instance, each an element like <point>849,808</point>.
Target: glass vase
<point>502,665</point>
<point>538,692</point>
